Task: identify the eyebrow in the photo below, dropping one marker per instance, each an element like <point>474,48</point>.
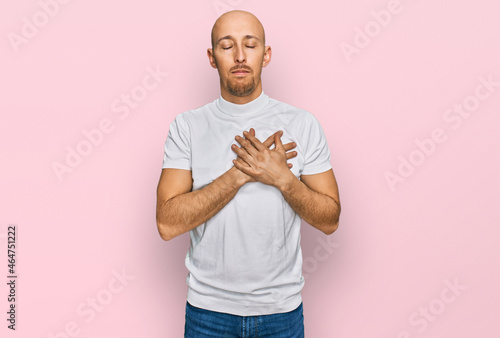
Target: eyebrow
<point>229,37</point>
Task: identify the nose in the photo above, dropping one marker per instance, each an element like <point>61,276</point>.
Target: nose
<point>240,54</point>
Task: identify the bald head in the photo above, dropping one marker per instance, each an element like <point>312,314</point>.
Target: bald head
<point>233,20</point>
<point>239,53</point>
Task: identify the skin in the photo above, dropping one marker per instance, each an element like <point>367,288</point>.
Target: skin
<point>238,42</point>
<point>179,209</point>
<point>314,197</point>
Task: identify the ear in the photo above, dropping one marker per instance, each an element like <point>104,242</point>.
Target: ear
<point>211,58</point>
<point>267,56</point>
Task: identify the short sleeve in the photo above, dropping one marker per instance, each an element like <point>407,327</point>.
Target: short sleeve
<point>317,153</point>
<point>178,146</point>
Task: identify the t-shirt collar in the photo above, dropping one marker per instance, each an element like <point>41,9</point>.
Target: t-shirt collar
<point>249,108</point>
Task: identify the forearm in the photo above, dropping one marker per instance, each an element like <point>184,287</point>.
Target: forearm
<point>319,210</point>
<point>187,211</point>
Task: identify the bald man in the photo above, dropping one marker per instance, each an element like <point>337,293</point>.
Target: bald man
<point>239,174</point>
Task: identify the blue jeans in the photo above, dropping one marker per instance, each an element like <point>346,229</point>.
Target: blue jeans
<point>202,323</point>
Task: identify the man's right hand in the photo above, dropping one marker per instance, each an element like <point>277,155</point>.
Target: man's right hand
<point>268,143</point>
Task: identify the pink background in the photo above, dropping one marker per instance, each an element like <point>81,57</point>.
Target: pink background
<point>388,272</point>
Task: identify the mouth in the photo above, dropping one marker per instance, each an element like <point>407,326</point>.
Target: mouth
<point>240,72</point>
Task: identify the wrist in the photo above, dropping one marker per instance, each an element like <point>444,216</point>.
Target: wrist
<point>237,177</point>
<point>286,182</point>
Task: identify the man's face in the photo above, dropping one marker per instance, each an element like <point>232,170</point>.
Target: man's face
<point>239,53</point>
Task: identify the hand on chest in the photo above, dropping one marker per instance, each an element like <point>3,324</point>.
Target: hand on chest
<point>212,154</point>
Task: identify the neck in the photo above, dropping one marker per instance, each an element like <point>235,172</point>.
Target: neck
<point>241,99</point>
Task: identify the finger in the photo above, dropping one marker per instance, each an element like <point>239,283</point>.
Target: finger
<point>277,141</point>
<point>242,162</point>
<point>246,145</point>
<point>291,154</point>
<point>289,146</point>
<point>252,131</point>
<point>241,166</point>
<point>254,141</point>
<point>269,141</point>
<point>241,153</point>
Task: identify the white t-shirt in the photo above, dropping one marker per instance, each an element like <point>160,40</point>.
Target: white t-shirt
<point>247,259</point>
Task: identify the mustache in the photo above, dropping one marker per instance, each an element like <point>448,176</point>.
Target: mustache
<point>240,67</point>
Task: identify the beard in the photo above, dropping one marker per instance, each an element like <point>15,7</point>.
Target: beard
<point>239,88</point>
